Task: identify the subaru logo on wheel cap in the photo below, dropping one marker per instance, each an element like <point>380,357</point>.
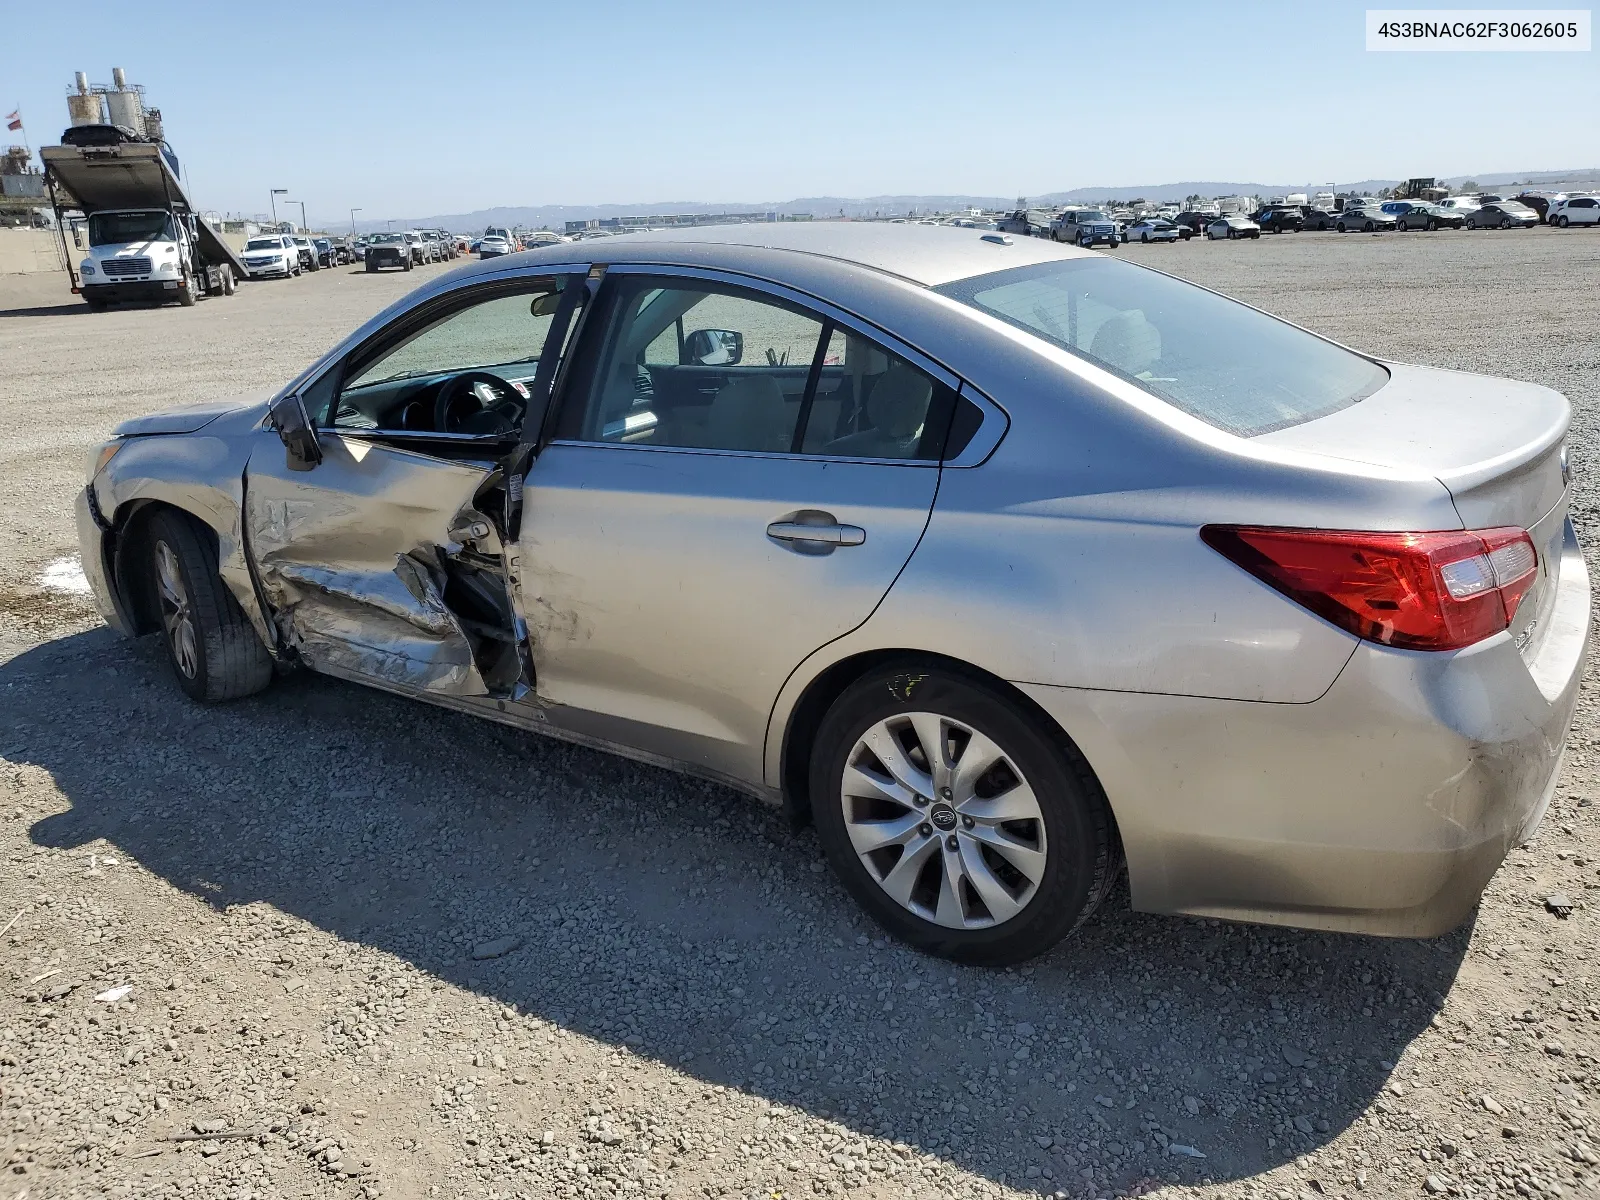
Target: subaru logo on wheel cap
<point>943,817</point>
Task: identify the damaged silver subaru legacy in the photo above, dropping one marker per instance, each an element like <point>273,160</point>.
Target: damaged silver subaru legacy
<point>1003,562</point>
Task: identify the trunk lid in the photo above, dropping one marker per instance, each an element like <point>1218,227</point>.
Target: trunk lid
<point>1497,445</point>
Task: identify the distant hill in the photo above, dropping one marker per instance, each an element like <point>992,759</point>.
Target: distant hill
<point>555,216</point>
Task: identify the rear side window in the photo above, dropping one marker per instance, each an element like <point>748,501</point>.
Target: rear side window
<point>1213,358</point>
<point>695,364</point>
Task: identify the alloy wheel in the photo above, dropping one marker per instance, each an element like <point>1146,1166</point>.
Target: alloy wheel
<point>943,820</point>
<point>177,615</point>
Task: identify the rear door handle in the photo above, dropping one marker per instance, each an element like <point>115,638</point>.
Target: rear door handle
<point>826,535</point>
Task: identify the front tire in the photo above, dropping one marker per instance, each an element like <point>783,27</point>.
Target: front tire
<point>213,649</point>
<point>186,292</point>
<point>963,823</point>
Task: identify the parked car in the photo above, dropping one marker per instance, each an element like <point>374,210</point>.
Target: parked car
<point>1503,214</point>
<point>447,243</point>
<point>1312,217</point>
<point>1085,227</point>
<point>1153,229</point>
<point>1232,226</point>
<point>493,246</point>
<point>1025,222</point>
<point>1195,222</point>
<point>389,250</point>
<point>308,253</point>
<point>271,254</point>
<point>323,248</point>
<point>1575,210</point>
<point>1278,218</point>
<point>1460,204</point>
<point>1539,204</point>
<point>419,248</point>
<point>1335,603</point>
<point>1417,214</point>
<point>1367,220</point>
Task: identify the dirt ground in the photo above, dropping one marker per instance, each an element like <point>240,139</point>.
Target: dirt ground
<point>301,892</point>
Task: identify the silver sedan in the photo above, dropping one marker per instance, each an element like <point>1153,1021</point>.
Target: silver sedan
<point>1004,563</point>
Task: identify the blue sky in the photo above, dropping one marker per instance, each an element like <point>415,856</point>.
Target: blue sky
<point>416,109</point>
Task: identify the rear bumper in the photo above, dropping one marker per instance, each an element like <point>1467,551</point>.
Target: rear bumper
<point>1383,807</point>
<point>136,291</point>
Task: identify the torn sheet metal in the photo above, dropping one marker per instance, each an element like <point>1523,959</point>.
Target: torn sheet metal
<point>351,557</point>
<point>391,625</point>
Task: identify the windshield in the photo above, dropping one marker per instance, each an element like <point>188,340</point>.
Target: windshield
<point>1091,214</point>
<point>386,239</point>
<point>266,243</point>
<point>115,228</point>
<point>1213,358</point>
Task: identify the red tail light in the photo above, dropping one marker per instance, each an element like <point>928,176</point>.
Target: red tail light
<point>1415,591</point>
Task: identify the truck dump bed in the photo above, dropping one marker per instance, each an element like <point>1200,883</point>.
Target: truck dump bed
<point>131,175</point>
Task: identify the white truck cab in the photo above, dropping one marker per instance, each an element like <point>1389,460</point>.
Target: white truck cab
<point>137,254</point>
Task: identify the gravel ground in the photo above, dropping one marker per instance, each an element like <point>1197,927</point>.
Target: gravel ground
<point>376,948</point>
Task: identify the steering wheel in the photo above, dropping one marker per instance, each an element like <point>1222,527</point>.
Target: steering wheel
<point>476,402</point>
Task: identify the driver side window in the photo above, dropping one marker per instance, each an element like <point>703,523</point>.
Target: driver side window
<point>500,339</point>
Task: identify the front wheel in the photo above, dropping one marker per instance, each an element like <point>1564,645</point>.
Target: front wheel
<point>186,292</point>
<point>1505,222</point>
<point>961,822</point>
<point>408,264</point>
<point>214,651</point>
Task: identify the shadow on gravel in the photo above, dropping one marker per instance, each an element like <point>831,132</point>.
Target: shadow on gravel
<point>683,921</point>
<point>65,309</point>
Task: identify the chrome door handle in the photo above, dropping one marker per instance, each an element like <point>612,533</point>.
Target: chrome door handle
<point>827,535</point>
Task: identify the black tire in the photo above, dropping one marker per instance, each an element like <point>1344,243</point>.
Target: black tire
<point>1145,238</point>
<point>1505,222</point>
<point>227,659</point>
<point>1367,227</point>
<point>187,292</point>
<point>371,268</point>
<point>408,264</point>
<point>1083,857</point>
<point>1562,222</point>
<point>228,284</point>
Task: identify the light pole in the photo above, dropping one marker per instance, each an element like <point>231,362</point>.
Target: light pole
<point>273,200</point>
<point>305,226</point>
<point>353,213</point>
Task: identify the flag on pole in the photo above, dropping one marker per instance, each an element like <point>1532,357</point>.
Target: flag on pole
<point>14,121</point>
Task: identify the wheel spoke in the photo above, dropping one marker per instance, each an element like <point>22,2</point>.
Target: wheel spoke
<point>951,911</point>
<point>869,784</point>
<point>903,876</point>
<point>1001,904</point>
<point>934,737</point>
<point>978,757</point>
<point>867,836</point>
<point>1028,861</point>
<point>1016,803</point>
<point>886,747</point>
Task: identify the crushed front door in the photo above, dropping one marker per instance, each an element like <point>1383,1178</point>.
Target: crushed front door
<point>353,558</point>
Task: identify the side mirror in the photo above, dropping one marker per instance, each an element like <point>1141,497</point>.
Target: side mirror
<point>288,416</point>
<point>712,348</point>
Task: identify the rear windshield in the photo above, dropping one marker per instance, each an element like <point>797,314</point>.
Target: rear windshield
<point>1213,358</point>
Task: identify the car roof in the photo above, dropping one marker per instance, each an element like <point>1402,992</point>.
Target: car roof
<point>927,254</point>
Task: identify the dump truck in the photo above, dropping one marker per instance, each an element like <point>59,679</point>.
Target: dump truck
<point>146,241</point>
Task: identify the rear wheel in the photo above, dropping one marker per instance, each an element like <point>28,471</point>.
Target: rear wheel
<point>1367,228</point>
<point>1562,222</point>
<point>214,651</point>
<point>956,818</point>
<point>1144,237</point>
